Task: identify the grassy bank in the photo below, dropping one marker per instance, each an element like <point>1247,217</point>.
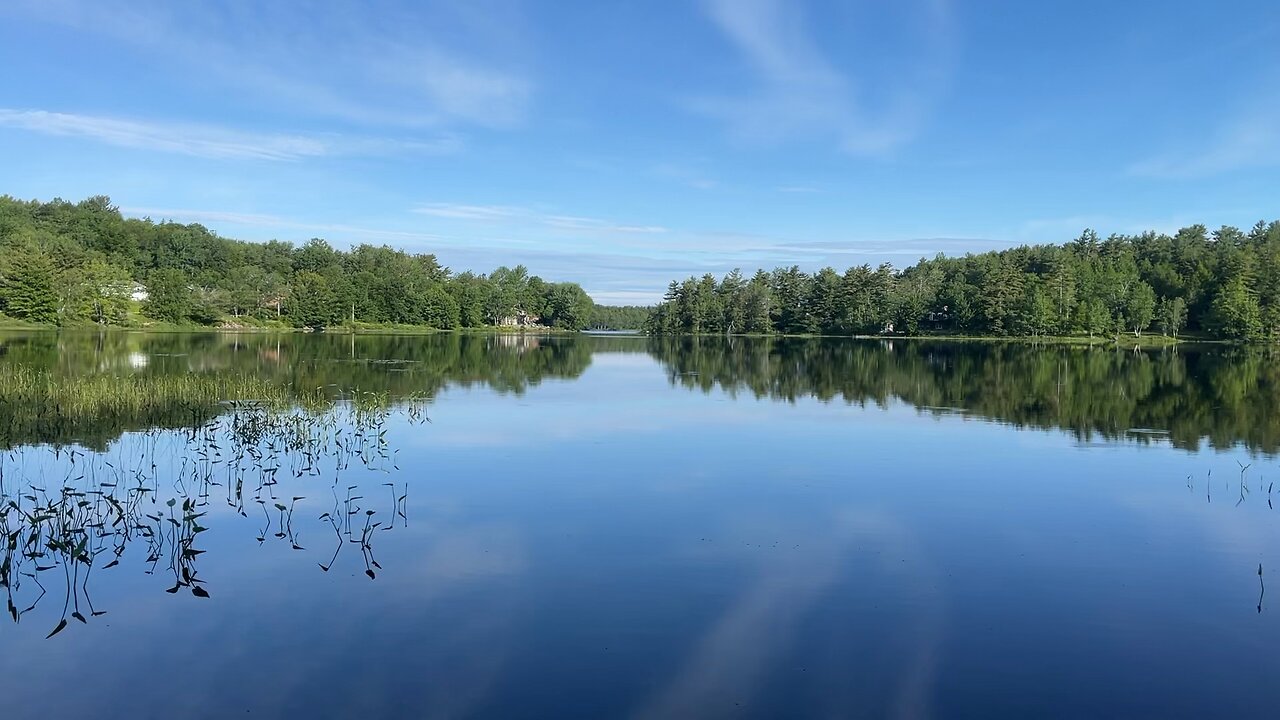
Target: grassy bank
<point>8,323</point>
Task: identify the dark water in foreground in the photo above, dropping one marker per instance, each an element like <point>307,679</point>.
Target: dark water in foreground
<point>616,527</point>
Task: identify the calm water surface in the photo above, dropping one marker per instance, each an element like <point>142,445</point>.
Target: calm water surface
<point>505,527</point>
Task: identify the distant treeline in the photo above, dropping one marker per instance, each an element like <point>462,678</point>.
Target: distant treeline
<point>1224,284</point>
<point>66,263</point>
<point>620,317</point>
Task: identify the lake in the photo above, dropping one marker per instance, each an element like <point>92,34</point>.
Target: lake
<point>217,525</point>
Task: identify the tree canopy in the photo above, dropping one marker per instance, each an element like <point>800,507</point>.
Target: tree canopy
<point>1221,284</point>
<point>66,263</point>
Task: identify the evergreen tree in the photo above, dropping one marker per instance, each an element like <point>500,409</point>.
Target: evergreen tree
<point>757,312</point>
<point>1235,312</point>
<point>27,290</point>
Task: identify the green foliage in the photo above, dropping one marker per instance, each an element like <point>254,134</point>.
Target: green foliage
<point>1092,317</point>
<point>619,317</point>
<point>168,296</point>
<point>62,262</point>
<point>1172,315</point>
<point>506,286</point>
<point>439,309</point>
<point>1038,315</point>
<point>102,293</point>
<point>315,305</point>
<point>568,306</point>
<point>1224,284</point>
<point>1140,307</point>
<point>1235,312</point>
<point>469,292</point>
<point>27,290</point>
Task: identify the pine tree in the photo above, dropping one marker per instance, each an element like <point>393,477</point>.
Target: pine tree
<point>1235,312</point>
<point>27,288</point>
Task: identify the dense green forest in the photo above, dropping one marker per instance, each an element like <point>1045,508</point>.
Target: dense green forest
<point>1224,284</point>
<point>620,317</point>
<point>78,263</point>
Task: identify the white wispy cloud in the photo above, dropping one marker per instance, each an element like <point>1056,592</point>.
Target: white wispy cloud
<point>477,94</point>
<point>1249,141</point>
<point>905,248</point>
<point>686,174</point>
<point>800,92</point>
<point>523,215</point>
<point>454,211</point>
<point>626,297</point>
<point>1064,229</point>
<point>370,62</point>
<point>185,139</point>
<point>569,222</point>
<point>211,141</point>
<point>617,271</point>
<point>354,233</point>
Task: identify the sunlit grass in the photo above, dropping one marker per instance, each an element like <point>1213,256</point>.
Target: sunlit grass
<point>133,395</point>
<point>39,405</point>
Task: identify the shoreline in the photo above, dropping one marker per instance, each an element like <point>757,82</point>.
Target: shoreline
<point>1124,341</point>
<point>252,329</point>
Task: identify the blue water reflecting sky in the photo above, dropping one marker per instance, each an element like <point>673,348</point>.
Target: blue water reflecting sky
<point>612,545</point>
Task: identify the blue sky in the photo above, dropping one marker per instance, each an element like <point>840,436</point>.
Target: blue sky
<point>622,144</point>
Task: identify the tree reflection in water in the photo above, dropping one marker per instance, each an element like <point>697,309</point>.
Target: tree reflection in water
<point>120,441</point>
